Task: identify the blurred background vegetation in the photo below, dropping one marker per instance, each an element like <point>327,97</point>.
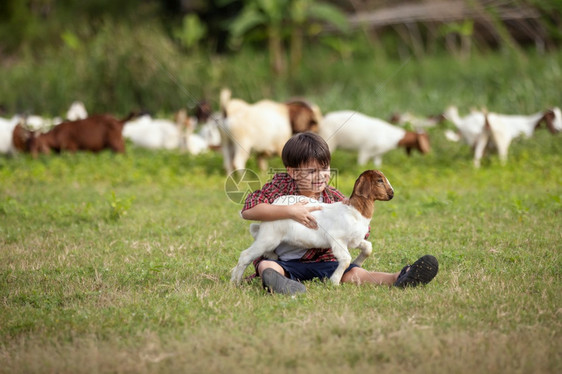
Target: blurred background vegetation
<point>161,55</point>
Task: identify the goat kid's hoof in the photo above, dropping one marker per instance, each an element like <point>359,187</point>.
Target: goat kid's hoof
<point>335,282</point>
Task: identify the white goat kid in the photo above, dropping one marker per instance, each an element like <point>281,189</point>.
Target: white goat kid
<point>371,137</point>
<point>341,226</point>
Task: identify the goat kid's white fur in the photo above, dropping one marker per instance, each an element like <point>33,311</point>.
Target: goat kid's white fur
<point>341,226</point>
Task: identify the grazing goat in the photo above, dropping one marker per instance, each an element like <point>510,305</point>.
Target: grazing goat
<point>341,226</point>
<point>263,127</point>
<point>501,129</point>
<point>151,133</point>
<point>156,133</point>
<point>94,133</point>
<point>371,137</point>
<point>480,129</point>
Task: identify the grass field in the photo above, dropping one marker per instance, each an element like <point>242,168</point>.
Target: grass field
<point>121,263</point>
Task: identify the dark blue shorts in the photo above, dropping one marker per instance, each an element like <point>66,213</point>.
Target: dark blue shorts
<point>304,271</point>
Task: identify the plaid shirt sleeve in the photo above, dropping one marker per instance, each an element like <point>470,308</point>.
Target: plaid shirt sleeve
<point>281,184</point>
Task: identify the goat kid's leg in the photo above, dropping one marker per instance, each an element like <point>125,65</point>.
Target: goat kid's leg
<point>341,253</point>
<point>257,249</point>
<point>366,249</point>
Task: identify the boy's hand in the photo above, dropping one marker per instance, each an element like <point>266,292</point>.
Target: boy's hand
<point>301,213</point>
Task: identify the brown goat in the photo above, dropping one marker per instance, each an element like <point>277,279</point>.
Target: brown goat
<point>94,134</point>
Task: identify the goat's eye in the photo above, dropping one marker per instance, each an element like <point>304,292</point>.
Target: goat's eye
<point>379,180</point>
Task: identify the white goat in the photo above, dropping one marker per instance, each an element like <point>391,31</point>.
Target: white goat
<point>341,226</point>
<point>371,137</point>
<point>263,127</point>
<point>501,129</point>
<point>151,133</point>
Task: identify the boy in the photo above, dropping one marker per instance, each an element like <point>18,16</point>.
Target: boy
<point>307,158</point>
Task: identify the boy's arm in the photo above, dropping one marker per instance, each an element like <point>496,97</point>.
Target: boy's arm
<point>268,212</point>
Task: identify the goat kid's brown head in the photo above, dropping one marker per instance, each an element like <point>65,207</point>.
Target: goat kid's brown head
<point>373,185</point>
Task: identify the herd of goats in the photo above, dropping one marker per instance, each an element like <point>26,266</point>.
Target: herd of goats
<point>240,129</point>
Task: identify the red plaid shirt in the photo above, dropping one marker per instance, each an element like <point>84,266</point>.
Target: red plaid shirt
<point>283,184</point>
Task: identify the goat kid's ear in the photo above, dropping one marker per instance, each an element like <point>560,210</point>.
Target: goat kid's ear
<point>362,188</point>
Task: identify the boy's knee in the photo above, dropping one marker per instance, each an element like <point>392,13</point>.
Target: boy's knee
<point>268,264</point>
<point>352,275</point>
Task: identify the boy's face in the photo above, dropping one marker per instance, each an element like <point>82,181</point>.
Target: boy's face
<point>311,178</point>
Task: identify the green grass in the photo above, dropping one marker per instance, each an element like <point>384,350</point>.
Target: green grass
<point>121,263</point>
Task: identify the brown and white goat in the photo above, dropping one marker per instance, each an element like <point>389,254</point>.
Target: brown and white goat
<point>263,127</point>
<point>371,137</point>
<point>501,129</point>
<point>482,130</point>
<point>95,133</point>
<point>341,226</point>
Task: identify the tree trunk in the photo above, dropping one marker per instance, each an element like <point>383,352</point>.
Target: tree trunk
<point>276,55</point>
<point>296,48</point>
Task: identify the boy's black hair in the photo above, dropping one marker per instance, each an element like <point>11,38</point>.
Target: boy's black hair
<point>305,147</point>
